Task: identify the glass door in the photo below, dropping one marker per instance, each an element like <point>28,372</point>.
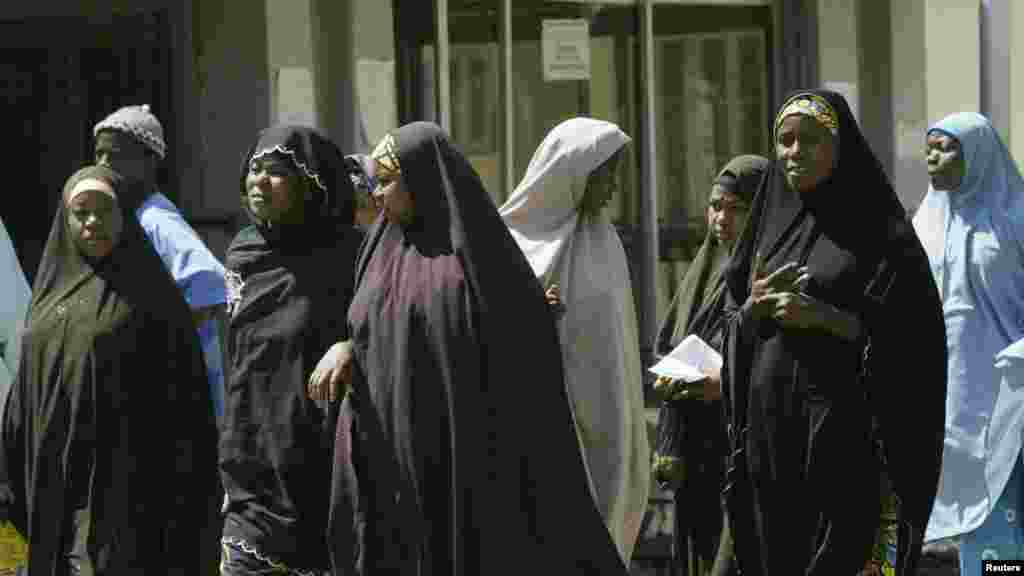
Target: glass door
<point>712,91</point>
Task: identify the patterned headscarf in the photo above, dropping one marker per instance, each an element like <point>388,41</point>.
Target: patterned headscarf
<point>813,105</point>
<point>386,157</point>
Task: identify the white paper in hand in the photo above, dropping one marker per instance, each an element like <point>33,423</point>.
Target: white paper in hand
<point>690,361</point>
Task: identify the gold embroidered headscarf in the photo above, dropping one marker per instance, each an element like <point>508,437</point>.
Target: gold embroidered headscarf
<point>812,105</point>
<point>386,157</point>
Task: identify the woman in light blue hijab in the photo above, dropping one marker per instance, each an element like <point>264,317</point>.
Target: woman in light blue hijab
<point>971,224</point>
<point>15,295</point>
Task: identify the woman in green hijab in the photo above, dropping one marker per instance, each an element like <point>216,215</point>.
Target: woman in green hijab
<point>691,445</point>
<point>109,447</point>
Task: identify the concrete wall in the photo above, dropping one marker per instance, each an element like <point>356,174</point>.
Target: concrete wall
<point>375,32</point>
<point>838,49</point>
<point>953,57</point>
<point>910,117</point>
<point>936,52</point>
<point>375,67</point>
<point>1002,81</point>
<point>234,102</point>
<point>875,38</point>
<point>334,45</point>
<point>1015,40</point>
<point>291,63</point>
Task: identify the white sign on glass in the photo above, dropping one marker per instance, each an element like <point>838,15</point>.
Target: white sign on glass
<point>565,46</point>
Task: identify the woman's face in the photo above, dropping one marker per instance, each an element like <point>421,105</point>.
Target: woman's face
<point>807,151</point>
<point>94,218</point>
<point>272,187</point>
<point>393,198</point>
<point>727,215</point>
<point>601,185</point>
<point>946,164</point>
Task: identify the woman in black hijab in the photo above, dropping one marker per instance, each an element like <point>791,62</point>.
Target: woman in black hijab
<point>109,444</point>
<point>827,288</point>
<point>290,280</point>
<point>691,444</point>
<point>456,451</point>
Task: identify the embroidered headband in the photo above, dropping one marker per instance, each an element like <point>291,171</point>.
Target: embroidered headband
<point>386,157</point>
<point>91,184</point>
<point>810,105</point>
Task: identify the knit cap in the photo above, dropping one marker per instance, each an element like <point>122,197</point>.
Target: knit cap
<point>140,123</point>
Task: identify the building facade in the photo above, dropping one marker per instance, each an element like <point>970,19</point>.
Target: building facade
<point>693,82</point>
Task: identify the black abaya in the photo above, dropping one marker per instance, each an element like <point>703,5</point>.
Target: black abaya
<point>803,483</point>
<point>109,444</point>
<point>457,453</point>
<point>293,284</point>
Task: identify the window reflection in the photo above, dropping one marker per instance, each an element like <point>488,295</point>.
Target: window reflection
<point>711,103</point>
<point>476,108</point>
<point>710,92</point>
<point>475,83</point>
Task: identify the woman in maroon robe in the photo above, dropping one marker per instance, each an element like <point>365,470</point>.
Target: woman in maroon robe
<point>456,449</point>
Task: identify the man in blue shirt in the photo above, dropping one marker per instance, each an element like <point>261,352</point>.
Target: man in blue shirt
<point>131,141</point>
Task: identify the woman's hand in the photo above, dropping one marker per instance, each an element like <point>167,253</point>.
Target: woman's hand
<point>708,389</point>
<point>872,568</point>
<point>554,299</point>
<point>333,373</point>
<point>789,278</point>
<point>798,310</point>
<point>662,387</point>
<point>781,280</point>
<point>795,310</point>
<point>713,386</point>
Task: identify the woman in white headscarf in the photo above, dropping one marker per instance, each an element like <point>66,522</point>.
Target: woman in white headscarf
<point>556,217</point>
<point>15,295</point>
<point>971,223</point>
